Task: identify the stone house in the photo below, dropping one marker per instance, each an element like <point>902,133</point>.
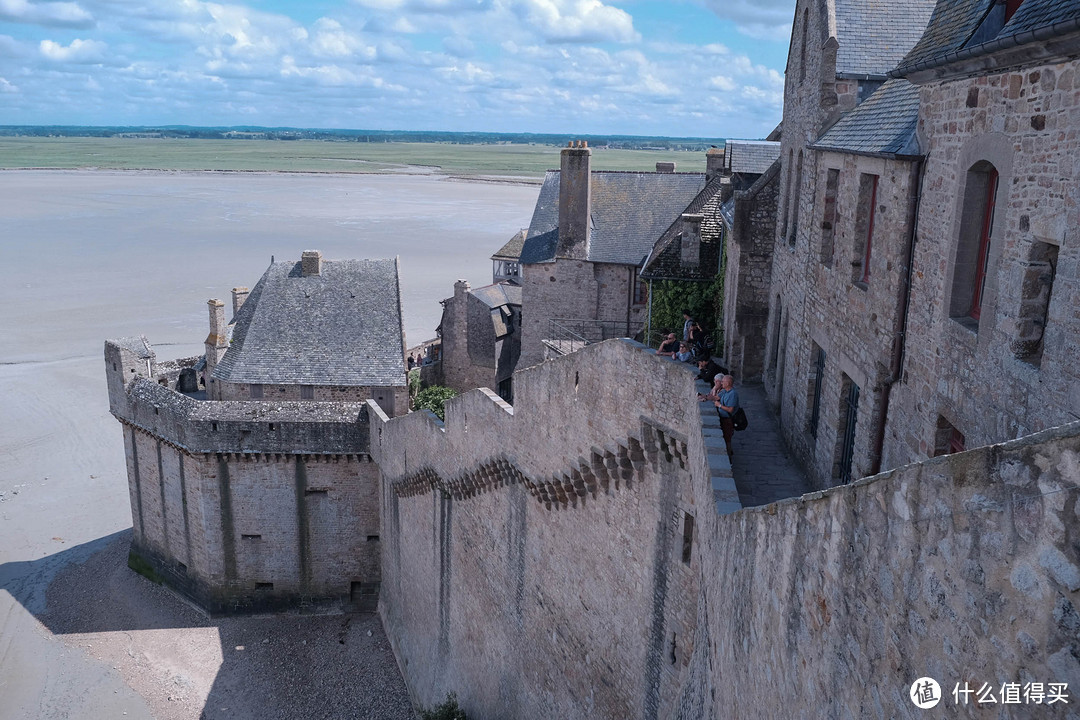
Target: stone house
<point>312,330</point>
<point>925,282</point>
<point>590,233</point>
<point>481,337</point>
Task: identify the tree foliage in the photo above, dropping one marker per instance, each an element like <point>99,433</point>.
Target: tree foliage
<point>432,398</point>
<point>705,301</point>
<point>447,710</point>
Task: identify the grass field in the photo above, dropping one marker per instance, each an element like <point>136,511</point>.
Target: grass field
<point>519,161</point>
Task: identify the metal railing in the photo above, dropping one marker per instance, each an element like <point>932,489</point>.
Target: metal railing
<point>567,335</point>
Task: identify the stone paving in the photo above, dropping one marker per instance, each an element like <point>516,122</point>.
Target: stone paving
<point>764,469</point>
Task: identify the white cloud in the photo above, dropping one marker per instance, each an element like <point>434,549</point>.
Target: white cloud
<point>722,82</point>
<point>79,51</point>
<point>6,87</point>
<point>49,14</point>
<point>575,20</point>
<point>761,19</point>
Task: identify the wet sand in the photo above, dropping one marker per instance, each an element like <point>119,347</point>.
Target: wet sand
<point>91,255</point>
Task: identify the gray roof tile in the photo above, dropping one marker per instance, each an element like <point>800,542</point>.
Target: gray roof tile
<point>630,210</point>
<point>874,35</point>
<point>665,259</point>
<point>883,123</point>
<point>341,327</point>
<point>498,294</point>
<point>750,156</point>
<point>512,249</point>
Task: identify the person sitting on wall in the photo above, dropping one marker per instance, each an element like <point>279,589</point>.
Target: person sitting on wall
<point>684,354</point>
<point>669,347</point>
<point>726,400</point>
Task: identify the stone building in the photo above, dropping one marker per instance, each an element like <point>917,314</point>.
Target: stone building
<point>589,234</point>
<point>481,337</point>
<point>931,277</point>
<point>826,298</point>
<point>265,496</point>
<point>506,262</point>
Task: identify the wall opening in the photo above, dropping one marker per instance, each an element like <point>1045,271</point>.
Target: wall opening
<point>973,245</point>
<point>256,391</point>
<point>813,390</point>
<point>845,431</point>
<point>307,392</point>
<point>1038,283</point>
<point>947,439</point>
<point>364,596</point>
<point>828,219</point>
<point>687,537</point>
<point>865,210</point>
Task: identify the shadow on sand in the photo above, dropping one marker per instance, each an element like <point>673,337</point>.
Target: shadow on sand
<point>188,665</point>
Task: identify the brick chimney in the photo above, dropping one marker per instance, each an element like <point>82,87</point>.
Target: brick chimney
<point>714,163</point>
<point>311,263</point>
<point>575,201</point>
<point>665,167</point>
<point>217,342</point>
<point>690,244</point>
<point>239,295</point>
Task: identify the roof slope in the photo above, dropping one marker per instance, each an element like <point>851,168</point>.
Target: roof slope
<point>665,259</point>
<point>750,156</point>
<point>955,30</point>
<point>512,249</point>
<point>498,294</point>
<point>630,211</point>
<point>884,123</point>
<point>874,35</point>
<point>341,327</point>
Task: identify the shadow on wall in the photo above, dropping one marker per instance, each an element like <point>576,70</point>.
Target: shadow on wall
<point>188,665</point>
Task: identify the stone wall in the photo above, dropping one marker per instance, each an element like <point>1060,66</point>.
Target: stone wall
<point>546,578</point>
<point>961,568</point>
<point>748,277</point>
<point>248,506</point>
<point>970,376</point>
<point>465,364</point>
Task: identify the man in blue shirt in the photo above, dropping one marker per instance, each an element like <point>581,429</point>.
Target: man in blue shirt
<point>726,399</point>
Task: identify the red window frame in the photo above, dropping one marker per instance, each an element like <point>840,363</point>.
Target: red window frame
<point>869,232</point>
<point>978,288</point>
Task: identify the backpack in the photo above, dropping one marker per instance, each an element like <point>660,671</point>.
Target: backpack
<point>739,419</point>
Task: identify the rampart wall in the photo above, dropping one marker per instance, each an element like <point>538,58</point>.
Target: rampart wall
<point>534,555</point>
<point>246,506</point>
<point>963,568</point>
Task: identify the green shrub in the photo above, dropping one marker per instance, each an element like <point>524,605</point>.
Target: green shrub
<point>432,398</point>
<point>448,710</point>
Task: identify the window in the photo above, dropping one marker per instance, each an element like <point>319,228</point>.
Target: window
<point>687,537</point>
<point>641,290</point>
<point>947,439</point>
<point>506,390</point>
<point>849,412</point>
<point>1039,271</point>
<point>256,392</point>
<point>802,51</point>
<point>814,393</point>
<point>864,229</point>
<point>794,230</point>
<point>973,248</point>
<point>828,219</point>
<point>789,169</point>
<point>307,392</point>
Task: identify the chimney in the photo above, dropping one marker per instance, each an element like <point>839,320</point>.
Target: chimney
<point>665,167</point>
<point>575,202</point>
<point>714,163</point>
<point>216,342</point>
<point>311,263</point>
<point>239,295</point>
<point>690,244</point>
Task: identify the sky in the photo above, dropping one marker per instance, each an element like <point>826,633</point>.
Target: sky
<point>687,68</point>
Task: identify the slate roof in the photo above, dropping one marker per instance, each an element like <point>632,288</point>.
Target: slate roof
<point>665,259</point>
<point>955,22</point>
<point>630,211</point>
<point>750,156</point>
<point>512,249</point>
<point>341,327</point>
<point>874,35</point>
<point>727,211</point>
<point>498,294</point>
<point>138,345</point>
<point>884,123</point>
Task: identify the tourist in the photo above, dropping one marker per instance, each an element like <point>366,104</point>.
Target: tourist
<point>697,340</point>
<point>669,347</point>
<point>708,370</point>
<point>412,363</point>
<point>684,354</point>
<point>726,400</point>
<point>688,322</point>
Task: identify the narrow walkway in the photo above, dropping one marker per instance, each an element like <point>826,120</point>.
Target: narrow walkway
<point>763,467</point>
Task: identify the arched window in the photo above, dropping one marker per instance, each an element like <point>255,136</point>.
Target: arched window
<point>802,51</point>
<point>973,249</point>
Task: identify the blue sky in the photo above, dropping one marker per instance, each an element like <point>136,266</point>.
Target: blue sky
<point>709,68</point>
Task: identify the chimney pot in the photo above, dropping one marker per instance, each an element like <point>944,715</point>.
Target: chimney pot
<point>311,263</point>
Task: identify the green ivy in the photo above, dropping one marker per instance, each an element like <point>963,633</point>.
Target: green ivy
<point>704,300</point>
<point>432,398</point>
<point>447,710</point>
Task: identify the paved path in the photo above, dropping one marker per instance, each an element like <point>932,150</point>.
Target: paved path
<point>764,469</point>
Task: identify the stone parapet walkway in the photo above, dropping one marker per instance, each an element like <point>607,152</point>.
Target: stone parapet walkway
<point>763,467</point>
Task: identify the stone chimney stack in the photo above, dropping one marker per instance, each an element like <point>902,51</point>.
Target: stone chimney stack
<point>575,201</point>
<point>691,239</point>
<point>217,342</point>
<point>239,295</point>
<point>665,167</point>
<point>311,263</point>
<point>714,163</point>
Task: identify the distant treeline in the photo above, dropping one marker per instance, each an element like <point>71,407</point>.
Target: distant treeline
<point>625,142</point>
